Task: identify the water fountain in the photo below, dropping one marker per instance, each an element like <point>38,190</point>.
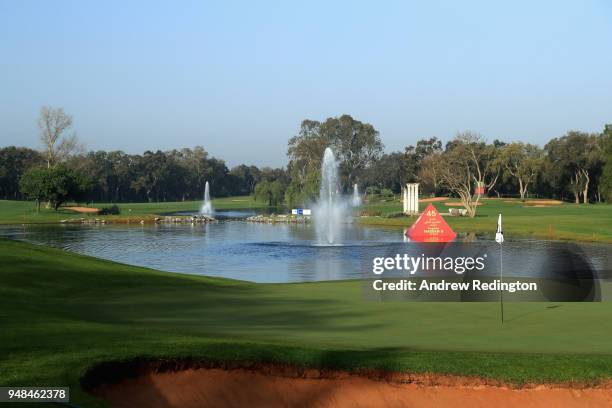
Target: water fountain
<point>356,197</point>
<point>207,208</point>
<point>331,209</point>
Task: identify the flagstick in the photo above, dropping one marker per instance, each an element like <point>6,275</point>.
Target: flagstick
<point>501,280</point>
<point>499,237</point>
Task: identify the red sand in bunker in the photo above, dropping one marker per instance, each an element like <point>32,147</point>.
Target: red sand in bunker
<point>83,210</point>
<point>216,387</point>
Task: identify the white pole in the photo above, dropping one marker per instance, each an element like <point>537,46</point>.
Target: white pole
<point>499,238</point>
<point>501,280</point>
<point>416,198</point>
<point>408,198</point>
<point>410,192</point>
<point>411,199</point>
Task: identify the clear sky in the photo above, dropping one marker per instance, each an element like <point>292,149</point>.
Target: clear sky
<point>238,77</point>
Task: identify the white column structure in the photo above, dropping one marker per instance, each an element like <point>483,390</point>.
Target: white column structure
<point>411,199</point>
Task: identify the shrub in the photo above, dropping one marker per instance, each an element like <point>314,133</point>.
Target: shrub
<point>370,213</point>
<point>112,210</point>
<point>387,193</point>
<point>396,214</point>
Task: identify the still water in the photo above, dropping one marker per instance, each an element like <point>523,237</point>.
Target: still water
<point>270,252</point>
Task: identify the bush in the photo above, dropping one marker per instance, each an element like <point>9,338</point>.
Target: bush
<point>374,194</point>
<point>396,214</point>
<point>370,213</point>
<point>387,193</point>
<point>112,210</point>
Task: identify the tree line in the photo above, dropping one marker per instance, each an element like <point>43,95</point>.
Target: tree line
<point>574,167</point>
<point>61,171</point>
<point>114,177</point>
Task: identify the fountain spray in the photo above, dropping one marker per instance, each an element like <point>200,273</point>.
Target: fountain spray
<point>207,208</point>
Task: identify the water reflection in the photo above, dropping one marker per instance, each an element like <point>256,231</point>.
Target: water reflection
<point>268,252</point>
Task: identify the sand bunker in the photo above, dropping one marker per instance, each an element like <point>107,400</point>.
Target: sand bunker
<point>535,203</point>
<point>83,210</point>
<point>214,387</point>
<point>541,203</point>
<point>459,204</point>
<point>545,202</point>
<point>433,199</point>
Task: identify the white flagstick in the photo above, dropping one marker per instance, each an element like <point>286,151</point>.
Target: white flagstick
<point>501,281</point>
<point>499,238</point>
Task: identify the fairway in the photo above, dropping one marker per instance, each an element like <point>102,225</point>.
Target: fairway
<point>566,221</point>
<point>16,212</point>
<point>62,313</point>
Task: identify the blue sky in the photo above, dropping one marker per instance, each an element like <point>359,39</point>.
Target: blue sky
<point>238,77</point>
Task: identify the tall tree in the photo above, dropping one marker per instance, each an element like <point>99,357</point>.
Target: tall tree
<point>14,162</point>
<point>430,172</point>
<point>415,155</point>
<point>244,179</point>
<point>357,146</point>
<point>456,172</point>
<point>56,185</point>
<point>389,171</point>
<point>467,163</point>
<point>484,164</point>
<point>355,143</point>
<point>34,185</point>
<point>305,152</point>
<point>605,181</point>
<point>523,162</point>
<point>53,124</point>
<point>576,156</point>
<point>271,192</point>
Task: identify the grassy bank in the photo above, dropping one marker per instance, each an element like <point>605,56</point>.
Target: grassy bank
<point>61,313</point>
<point>565,221</point>
<point>18,212</point>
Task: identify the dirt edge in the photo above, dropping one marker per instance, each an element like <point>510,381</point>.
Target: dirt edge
<point>114,372</point>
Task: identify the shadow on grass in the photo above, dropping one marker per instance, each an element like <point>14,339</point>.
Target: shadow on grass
<point>138,387</point>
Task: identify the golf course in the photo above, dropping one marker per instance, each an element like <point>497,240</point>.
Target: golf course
<point>556,220</point>
<point>18,212</point>
<point>63,314</point>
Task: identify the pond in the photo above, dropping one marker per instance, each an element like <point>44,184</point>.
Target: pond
<point>271,252</point>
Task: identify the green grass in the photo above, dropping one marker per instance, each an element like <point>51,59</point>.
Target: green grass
<point>62,313</point>
<point>591,222</point>
<point>565,221</point>
<point>17,212</point>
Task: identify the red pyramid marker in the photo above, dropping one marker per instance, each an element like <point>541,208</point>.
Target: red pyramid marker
<point>430,227</point>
